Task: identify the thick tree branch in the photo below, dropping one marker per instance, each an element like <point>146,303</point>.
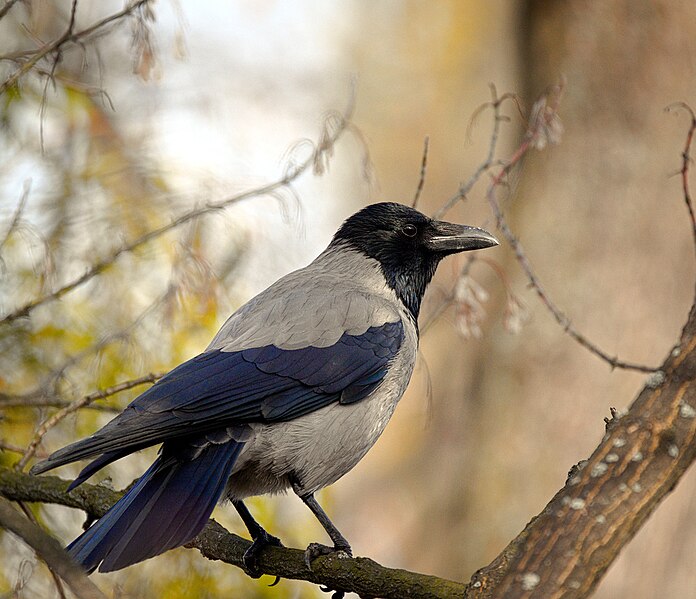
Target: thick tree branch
<point>359,575</point>
<point>565,550</point>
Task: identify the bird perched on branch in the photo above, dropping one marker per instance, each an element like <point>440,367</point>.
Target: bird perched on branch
<point>294,389</point>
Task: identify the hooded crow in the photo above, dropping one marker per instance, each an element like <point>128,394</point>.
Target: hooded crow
<point>292,392</point>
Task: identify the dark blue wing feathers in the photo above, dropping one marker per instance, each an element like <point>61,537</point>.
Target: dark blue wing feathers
<point>221,388</point>
<point>98,464</point>
<point>236,386</point>
<point>166,508</point>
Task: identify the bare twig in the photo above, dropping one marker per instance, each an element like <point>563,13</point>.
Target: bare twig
<point>495,103</point>
<point>68,37</point>
<point>448,298</point>
<point>686,162</point>
<point>542,129</point>
<point>56,579</point>
<point>17,216</point>
<point>121,335</point>
<point>6,7</point>
<point>33,400</point>
<point>339,122</point>
<point>437,312</point>
<point>50,78</point>
<point>424,166</point>
<point>514,315</point>
<point>4,446</point>
<point>40,397</point>
<point>49,423</point>
<point>48,549</point>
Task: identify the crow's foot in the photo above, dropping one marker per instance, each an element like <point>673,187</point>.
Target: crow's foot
<point>315,550</point>
<point>251,555</point>
<point>336,594</point>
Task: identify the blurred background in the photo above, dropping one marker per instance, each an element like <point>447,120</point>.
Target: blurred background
<point>195,101</point>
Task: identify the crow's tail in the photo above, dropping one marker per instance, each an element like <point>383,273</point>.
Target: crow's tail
<point>166,508</point>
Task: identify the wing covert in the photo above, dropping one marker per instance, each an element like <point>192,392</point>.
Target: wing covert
<point>223,388</point>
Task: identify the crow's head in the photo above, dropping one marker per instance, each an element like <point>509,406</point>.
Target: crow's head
<point>408,245</point>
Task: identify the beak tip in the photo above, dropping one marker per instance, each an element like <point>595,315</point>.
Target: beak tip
<point>484,239</point>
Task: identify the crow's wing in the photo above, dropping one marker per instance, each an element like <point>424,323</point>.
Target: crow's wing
<point>224,390</point>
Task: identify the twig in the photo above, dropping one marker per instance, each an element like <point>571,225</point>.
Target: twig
<point>31,400</point>
<point>68,36</point>
<point>543,127</point>
<point>451,296</point>
<point>56,579</point>
<point>16,217</point>
<point>495,103</point>
<point>437,312</point>
<point>48,549</point>
<point>686,163</point>
<point>49,423</point>
<point>38,397</point>
<point>538,133</point>
<point>6,7</point>
<point>51,75</point>
<point>424,165</point>
<point>120,335</point>
<point>327,144</point>
<point>17,449</point>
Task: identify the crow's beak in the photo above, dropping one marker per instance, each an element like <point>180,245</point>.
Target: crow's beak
<point>449,238</point>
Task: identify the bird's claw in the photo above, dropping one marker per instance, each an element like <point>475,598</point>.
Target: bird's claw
<point>336,594</point>
<point>251,555</point>
<point>315,550</point>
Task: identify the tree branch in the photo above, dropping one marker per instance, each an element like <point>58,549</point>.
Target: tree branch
<point>421,180</point>
<point>360,575</point>
<point>6,7</point>
<point>48,549</point>
<point>566,549</point>
<point>464,188</point>
<point>686,163</point>
<point>73,406</point>
<point>544,127</point>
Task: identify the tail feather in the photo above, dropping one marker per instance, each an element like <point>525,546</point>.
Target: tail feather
<point>96,465</point>
<point>166,508</point>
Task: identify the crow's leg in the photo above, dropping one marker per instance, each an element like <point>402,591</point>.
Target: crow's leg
<point>316,549</point>
<point>260,538</point>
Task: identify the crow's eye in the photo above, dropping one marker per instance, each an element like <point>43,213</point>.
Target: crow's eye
<point>409,230</point>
